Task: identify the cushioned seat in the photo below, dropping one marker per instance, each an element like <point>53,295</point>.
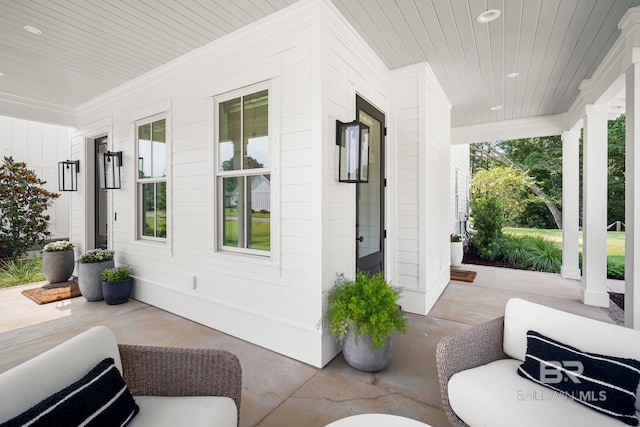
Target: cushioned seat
<point>492,395</point>
<point>161,411</point>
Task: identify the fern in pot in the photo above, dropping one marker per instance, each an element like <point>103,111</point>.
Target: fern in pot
<point>116,285</point>
<point>362,313</point>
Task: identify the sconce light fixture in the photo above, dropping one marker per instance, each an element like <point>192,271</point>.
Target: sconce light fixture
<point>110,173</point>
<point>353,139</point>
<point>68,175</point>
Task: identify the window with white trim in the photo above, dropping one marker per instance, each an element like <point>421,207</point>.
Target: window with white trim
<point>151,145</point>
<point>242,171</point>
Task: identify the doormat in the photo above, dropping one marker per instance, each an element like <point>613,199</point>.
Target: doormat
<point>53,292</point>
<point>463,275</point>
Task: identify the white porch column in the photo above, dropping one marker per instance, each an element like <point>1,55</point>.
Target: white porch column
<point>632,200</point>
<point>570,204</point>
<point>594,194</point>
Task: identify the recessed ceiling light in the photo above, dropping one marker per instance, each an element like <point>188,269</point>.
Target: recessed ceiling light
<point>488,16</point>
<point>496,108</point>
<point>33,30</point>
<point>1,74</point>
<point>512,75</point>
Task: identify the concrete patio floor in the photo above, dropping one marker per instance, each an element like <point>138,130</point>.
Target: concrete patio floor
<point>278,391</point>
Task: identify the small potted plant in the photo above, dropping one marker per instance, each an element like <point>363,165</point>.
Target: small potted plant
<point>457,252</point>
<point>116,285</point>
<point>362,313</point>
<point>58,261</point>
<point>91,265</point>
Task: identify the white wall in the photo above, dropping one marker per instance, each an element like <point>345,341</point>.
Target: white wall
<point>41,146</point>
<point>316,64</point>
<point>421,129</point>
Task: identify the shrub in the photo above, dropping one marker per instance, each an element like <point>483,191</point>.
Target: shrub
<point>544,255</point>
<point>96,255</point>
<point>515,250</point>
<point>116,274</point>
<point>487,221</point>
<point>367,305</point>
<point>615,268</point>
<point>59,246</point>
<point>23,202</point>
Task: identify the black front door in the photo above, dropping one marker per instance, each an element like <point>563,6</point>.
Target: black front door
<point>101,223</point>
<point>370,197</point>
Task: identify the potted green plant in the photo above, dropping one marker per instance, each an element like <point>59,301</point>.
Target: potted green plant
<point>457,250</point>
<point>362,313</point>
<point>58,261</point>
<point>116,285</point>
<point>91,265</point>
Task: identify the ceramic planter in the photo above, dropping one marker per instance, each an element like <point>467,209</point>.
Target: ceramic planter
<point>117,292</point>
<point>363,356</point>
<point>58,266</point>
<point>89,279</point>
<point>457,254</point>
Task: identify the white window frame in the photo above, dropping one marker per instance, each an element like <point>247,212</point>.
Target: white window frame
<point>219,175</point>
<point>140,181</point>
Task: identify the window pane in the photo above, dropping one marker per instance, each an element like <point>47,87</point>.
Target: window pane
<point>233,220</point>
<point>260,211</point>
<point>154,209</point>
<point>144,151</point>
<point>256,130</point>
<point>161,209</point>
<point>229,148</point>
<point>159,150</point>
<point>149,209</point>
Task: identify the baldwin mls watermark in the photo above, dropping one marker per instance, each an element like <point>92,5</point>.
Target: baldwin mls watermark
<point>555,372</point>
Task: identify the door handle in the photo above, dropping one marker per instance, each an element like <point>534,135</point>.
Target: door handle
<point>360,239</point>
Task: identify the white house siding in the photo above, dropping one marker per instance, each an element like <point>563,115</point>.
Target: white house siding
<point>41,146</point>
<point>316,64</point>
<point>459,186</point>
<point>422,137</point>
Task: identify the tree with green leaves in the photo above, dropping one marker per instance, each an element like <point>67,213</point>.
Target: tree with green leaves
<point>23,202</point>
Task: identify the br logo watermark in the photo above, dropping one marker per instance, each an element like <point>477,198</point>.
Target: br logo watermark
<point>552,372</point>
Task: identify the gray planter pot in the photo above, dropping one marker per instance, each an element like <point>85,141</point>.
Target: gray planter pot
<point>117,292</point>
<point>89,280</point>
<point>58,266</point>
<point>363,356</point>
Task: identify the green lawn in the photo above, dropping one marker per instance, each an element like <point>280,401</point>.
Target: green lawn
<point>615,239</point>
<point>19,272</point>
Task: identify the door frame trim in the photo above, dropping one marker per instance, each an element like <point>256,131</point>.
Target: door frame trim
<point>378,114</point>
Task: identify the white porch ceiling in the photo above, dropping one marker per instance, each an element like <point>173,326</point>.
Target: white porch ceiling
<point>91,46</point>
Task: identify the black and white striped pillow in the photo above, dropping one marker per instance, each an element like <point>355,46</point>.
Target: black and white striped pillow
<point>100,398</point>
<point>604,383</point>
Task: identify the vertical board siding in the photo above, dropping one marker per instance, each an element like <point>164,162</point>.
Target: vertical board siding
<point>459,162</point>
<point>41,146</point>
<point>278,49</point>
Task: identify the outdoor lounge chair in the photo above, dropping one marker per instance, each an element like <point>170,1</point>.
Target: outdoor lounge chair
<point>576,372</point>
<point>171,386</point>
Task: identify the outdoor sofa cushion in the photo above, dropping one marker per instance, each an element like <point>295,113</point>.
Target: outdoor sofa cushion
<point>495,395</point>
<point>162,411</point>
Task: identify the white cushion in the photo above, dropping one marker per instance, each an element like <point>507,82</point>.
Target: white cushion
<point>495,395</point>
<point>185,411</point>
<point>29,383</point>
<point>583,333</point>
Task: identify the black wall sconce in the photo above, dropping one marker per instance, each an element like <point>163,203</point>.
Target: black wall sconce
<point>110,173</point>
<point>68,175</point>
<point>353,139</point>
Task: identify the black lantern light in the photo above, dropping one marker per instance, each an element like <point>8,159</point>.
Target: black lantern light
<point>110,173</point>
<point>353,139</point>
<point>68,175</point>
